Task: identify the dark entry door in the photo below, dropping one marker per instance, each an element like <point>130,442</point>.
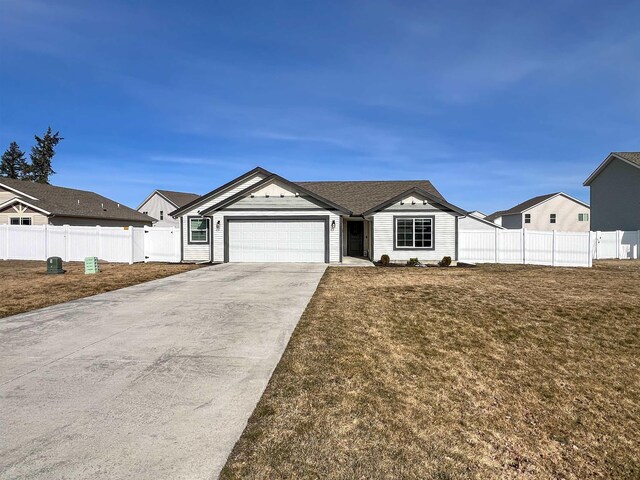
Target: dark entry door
<point>355,239</point>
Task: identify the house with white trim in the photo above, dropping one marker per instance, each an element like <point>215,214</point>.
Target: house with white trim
<point>263,217</point>
<point>160,203</point>
<point>29,203</point>
<point>614,189</point>
<point>554,211</point>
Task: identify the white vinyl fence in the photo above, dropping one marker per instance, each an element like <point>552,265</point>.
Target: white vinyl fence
<point>619,244</point>
<point>112,244</point>
<point>557,249</point>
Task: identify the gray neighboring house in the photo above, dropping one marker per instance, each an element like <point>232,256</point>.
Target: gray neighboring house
<point>160,203</point>
<point>28,203</point>
<point>263,217</point>
<point>614,189</point>
<point>554,211</point>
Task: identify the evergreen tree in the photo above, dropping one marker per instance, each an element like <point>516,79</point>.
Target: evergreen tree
<point>41,154</point>
<point>13,164</point>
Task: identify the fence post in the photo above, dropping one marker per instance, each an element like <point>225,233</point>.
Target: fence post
<point>46,241</point>
<point>495,240</point>
<point>99,235</point>
<point>638,247</point>
<point>67,243</point>
<point>553,248</point>
<point>590,251</point>
<point>6,244</point>
<point>133,247</point>
<point>618,246</point>
<point>524,246</point>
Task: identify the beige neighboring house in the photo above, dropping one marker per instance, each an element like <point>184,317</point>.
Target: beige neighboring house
<point>28,203</point>
<point>554,211</point>
<point>160,203</point>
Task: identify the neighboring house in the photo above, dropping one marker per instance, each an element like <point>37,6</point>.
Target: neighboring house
<point>477,213</point>
<point>555,211</point>
<point>160,203</point>
<point>614,188</point>
<point>29,203</point>
<point>263,217</point>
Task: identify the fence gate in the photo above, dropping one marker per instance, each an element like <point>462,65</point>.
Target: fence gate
<point>161,244</point>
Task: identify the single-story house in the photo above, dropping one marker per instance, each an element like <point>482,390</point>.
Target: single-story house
<point>554,211</point>
<point>263,217</point>
<point>28,203</point>
<point>614,188</point>
<point>160,203</point>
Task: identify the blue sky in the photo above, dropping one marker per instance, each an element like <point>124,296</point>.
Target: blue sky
<point>494,102</point>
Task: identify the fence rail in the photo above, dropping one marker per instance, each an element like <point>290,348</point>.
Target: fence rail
<point>558,249</point>
<point>112,244</point>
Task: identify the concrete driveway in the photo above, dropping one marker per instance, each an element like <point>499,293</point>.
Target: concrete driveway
<point>152,381</point>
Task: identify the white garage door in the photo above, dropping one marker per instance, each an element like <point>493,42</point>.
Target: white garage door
<point>276,241</point>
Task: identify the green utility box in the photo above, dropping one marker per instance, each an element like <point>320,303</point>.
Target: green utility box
<point>91,265</point>
<point>54,265</point>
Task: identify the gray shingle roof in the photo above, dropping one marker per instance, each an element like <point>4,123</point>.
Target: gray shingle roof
<point>360,196</point>
<point>633,157</point>
<point>521,206</point>
<point>179,198</point>
<point>69,202</point>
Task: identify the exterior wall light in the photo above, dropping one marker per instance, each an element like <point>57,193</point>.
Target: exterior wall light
<point>333,224</point>
<point>218,225</point>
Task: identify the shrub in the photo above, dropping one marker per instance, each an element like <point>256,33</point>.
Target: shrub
<point>413,262</point>
<point>445,262</point>
<point>385,260</point>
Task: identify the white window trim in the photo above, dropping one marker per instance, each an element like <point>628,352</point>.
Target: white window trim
<point>190,241</point>
<point>20,221</point>
<point>525,218</point>
<point>431,219</point>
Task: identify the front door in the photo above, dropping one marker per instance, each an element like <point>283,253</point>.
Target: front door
<point>355,239</point>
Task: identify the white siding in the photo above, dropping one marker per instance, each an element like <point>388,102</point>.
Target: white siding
<point>218,233</point>
<point>200,253</point>
<point>470,223</point>
<point>445,235</point>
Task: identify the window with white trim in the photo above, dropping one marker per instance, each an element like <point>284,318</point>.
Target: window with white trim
<point>552,218</point>
<point>583,217</point>
<point>527,218</point>
<point>198,230</point>
<point>20,220</point>
<point>414,232</point>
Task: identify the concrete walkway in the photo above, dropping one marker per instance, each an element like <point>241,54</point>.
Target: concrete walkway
<point>148,382</point>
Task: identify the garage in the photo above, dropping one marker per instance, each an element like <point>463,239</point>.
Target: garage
<point>277,239</point>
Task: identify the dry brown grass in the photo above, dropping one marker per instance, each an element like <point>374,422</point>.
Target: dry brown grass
<point>26,286</point>
<point>492,372</point>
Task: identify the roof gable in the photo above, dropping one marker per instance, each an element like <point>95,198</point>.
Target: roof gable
<point>632,158</point>
<point>531,203</point>
<point>207,196</point>
<point>274,179</point>
<point>177,199</point>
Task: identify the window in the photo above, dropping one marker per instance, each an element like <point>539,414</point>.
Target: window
<point>161,215</point>
<point>552,218</point>
<point>414,232</point>
<point>198,230</point>
<point>583,217</point>
<point>20,221</point>
<point>527,218</point>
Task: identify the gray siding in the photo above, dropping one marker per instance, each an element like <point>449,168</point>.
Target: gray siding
<point>512,221</point>
<point>615,198</point>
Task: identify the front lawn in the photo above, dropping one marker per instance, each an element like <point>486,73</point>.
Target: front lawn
<point>26,286</point>
<point>488,372</point>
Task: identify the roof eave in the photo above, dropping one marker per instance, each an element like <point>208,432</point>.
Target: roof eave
<point>420,191</point>
<point>603,165</point>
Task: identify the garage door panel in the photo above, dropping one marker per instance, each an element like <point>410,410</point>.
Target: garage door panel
<point>276,241</point>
